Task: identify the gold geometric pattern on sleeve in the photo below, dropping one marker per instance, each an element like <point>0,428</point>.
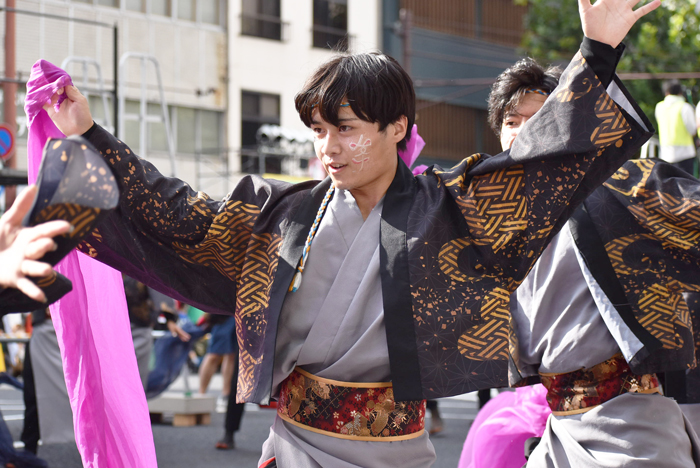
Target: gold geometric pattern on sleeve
<point>225,244</point>
<point>565,93</point>
<point>488,340</point>
<point>613,125</point>
<point>448,259</point>
<point>494,208</point>
<point>645,167</point>
<point>252,296</point>
<point>246,380</point>
<point>673,219</point>
<point>662,308</point>
<point>256,275</point>
<point>81,217</point>
<point>616,248</point>
<point>663,311</point>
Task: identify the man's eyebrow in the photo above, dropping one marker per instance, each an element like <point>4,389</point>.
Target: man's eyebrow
<point>349,119</point>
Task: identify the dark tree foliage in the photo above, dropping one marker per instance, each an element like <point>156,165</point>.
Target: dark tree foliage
<point>665,40</point>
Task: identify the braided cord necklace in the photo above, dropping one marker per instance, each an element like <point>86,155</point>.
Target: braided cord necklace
<point>296,282</point>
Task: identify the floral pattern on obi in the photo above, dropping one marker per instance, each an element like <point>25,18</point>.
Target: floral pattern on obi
<point>358,411</point>
<point>581,390</point>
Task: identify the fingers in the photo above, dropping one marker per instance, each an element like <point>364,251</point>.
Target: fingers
<point>648,8</point>
<point>48,229</point>
<point>36,249</point>
<point>73,94</point>
<point>35,269</point>
<point>21,206</point>
<point>31,290</point>
<point>51,107</point>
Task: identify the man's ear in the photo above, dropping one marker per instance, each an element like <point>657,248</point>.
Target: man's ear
<point>399,128</point>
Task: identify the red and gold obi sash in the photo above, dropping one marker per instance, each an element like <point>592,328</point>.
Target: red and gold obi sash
<point>581,390</point>
<point>349,410</point>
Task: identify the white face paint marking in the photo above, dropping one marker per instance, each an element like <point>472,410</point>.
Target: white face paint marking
<point>362,148</point>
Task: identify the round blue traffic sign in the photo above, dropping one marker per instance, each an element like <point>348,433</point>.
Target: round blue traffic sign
<point>7,141</point>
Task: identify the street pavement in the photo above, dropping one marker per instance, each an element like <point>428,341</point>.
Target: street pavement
<point>193,446</point>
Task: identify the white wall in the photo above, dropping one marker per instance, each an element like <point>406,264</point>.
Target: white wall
<point>281,67</point>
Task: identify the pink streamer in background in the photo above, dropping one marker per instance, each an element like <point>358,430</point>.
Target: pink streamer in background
<point>413,148</point>
<point>497,436</point>
<point>110,413</point>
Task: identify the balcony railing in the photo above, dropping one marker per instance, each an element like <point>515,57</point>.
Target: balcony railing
<point>265,26</point>
<point>327,37</point>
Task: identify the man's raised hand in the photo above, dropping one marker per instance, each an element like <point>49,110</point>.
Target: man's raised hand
<point>74,117</point>
<point>609,21</point>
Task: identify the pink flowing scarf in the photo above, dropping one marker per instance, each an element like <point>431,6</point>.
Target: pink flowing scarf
<point>498,434</point>
<point>110,413</point>
<point>413,148</point>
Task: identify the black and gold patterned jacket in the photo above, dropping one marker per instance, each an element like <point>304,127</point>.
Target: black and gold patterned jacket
<point>638,235</point>
<point>454,243</point>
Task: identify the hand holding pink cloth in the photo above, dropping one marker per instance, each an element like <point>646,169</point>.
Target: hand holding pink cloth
<point>110,413</point>
<point>497,436</point>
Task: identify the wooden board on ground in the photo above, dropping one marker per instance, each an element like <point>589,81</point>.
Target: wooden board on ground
<point>186,410</point>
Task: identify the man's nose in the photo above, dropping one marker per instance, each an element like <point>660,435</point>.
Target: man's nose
<point>331,144</point>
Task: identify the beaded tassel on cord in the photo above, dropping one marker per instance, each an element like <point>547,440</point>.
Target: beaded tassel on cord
<point>296,282</point>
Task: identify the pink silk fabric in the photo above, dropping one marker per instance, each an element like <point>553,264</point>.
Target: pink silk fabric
<point>110,413</point>
<point>497,436</point>
<point>413,148</point>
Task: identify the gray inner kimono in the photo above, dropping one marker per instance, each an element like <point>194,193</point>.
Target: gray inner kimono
<point>564,322</point>
<point>333,327</point>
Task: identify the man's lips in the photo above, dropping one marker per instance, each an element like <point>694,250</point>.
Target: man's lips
<point>336,167</point>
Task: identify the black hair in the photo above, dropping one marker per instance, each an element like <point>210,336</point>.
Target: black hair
<point>376,87</point>
<point>511,85</point>
<point>673,87</point>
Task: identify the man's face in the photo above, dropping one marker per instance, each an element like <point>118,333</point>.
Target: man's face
<point>516,118</point>
<point>355,154</point>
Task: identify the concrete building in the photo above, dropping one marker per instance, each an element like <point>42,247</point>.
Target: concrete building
<point>273,46</point>
<point>227,68</point>
<point>188,40</point>
<point>453,50</point>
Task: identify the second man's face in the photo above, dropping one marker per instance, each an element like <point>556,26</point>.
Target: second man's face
<point>516,118</point>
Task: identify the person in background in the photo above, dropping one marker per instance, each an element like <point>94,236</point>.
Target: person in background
<point>145,305</point>
<point>677,127</point>
<point>222,352</point>
<point>234,410</point>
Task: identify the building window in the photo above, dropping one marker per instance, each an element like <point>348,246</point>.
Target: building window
<point>136,5</point>
<point>261,18</point>
<point>195,131</point>
<point>330,29</point>
<point>160,7</point>
<point>110,3</point>
<point>210,11</point>
<point>257,109</point>
<point>187,10</point>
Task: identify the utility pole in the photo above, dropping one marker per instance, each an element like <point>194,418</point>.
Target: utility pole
<point>9,89</point>
<point>406,19</point>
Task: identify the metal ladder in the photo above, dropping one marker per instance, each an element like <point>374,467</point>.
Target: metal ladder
<point>100,91</point>
<point>143,117</point>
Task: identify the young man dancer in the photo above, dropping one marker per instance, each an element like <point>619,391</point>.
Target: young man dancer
<point>358,297</point>
<point>602,309</point>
